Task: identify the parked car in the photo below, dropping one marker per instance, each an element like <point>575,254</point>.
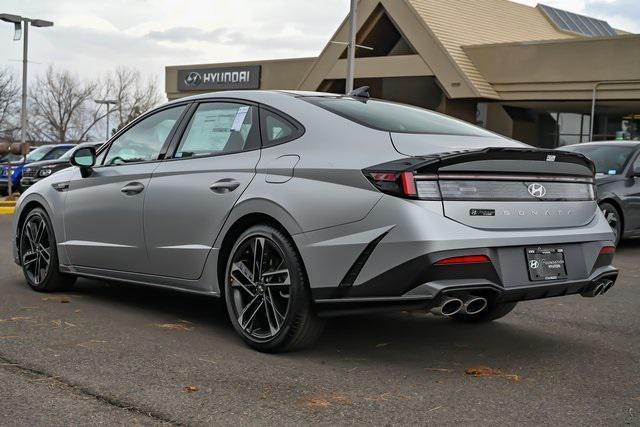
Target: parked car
<point>618,183</point>
<point>297,206</point>
<point>35,171</point>
<point>45,152</point>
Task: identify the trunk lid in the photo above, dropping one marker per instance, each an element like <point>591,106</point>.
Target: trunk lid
<point>507,187</point>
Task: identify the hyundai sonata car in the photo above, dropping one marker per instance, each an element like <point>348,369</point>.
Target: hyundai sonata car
<point>296,206</point>
<point>618,183</point>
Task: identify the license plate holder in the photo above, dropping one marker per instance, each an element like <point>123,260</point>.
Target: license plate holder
<point>546,264</point>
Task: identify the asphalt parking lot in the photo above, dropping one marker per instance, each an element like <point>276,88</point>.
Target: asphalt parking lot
<point>110,353</point>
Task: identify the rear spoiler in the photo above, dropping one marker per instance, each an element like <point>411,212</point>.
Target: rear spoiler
<point>490,160</point>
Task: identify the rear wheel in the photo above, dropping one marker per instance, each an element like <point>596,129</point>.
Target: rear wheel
<point>266,292</point>
<point>494,311</point>
<point>614,219</point>
<point>39,256</point>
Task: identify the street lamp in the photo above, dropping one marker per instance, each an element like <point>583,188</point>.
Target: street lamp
<point>109,103</point>
<point>18,22</point>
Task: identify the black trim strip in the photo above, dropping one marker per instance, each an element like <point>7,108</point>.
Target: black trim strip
<point>362,259</point>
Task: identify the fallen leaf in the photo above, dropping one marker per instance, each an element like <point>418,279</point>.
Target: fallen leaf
<point>15,319</point>
<point>65,301</point>
<point>321,402</point>
<point>173,326</point>
<point>88,344</point>
<point>384,344</point>
<point>483,371</point>
<point>57,323</point>
<point>636,398</point>
<point>190,389</point>
<point>439,369</point>
<point>208,361</point>
<point>434,409</point>
<point>70,324</point>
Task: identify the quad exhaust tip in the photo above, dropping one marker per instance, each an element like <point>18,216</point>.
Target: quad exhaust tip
<point>600,288</point>
<point>448,306</point>
<point>474,305</point>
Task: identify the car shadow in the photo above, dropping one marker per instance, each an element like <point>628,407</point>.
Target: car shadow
<point>404,338</point>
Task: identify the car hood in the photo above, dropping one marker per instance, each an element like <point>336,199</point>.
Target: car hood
<point>606,179</point>
<point>426,144</point>
<point>43,163</point>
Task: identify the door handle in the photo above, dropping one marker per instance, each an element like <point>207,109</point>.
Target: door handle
<point>226,185</point>
<point>132,188</point>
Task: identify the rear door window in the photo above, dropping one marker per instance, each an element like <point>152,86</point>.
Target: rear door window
<point>220,128</point>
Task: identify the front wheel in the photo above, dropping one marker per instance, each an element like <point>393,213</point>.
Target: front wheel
<point>613,218</point>
<point>266,292</point>
<point>39,256</point>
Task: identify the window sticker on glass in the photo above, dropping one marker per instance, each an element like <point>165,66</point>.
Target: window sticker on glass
<point>239,120</point>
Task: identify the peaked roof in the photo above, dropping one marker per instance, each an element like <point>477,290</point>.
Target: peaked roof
<point>458,23</point>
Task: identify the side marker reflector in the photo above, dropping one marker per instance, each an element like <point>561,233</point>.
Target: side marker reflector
<point>470,259</point>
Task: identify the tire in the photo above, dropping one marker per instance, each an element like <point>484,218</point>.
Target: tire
<point>492,312</point>
<point>274,313</point>
<point>36,245</point>
<point>614,218</point>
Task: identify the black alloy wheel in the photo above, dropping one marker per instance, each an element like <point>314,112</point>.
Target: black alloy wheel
<point>267,294</point>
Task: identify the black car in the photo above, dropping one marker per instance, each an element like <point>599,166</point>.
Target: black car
<point>36,171</point>
<point>618,182</point>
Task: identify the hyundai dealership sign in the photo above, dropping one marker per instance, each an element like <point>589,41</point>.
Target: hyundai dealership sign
<point>222,78</point>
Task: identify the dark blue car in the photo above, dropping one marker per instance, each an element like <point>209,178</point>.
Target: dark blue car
<point>46,152</point>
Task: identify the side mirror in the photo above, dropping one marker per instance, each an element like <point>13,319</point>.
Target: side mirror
<point>85,159</point>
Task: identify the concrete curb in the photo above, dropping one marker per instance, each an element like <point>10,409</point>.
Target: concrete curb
<point>7,210</point>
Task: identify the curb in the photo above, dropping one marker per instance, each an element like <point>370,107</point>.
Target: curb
<point>7,210</point>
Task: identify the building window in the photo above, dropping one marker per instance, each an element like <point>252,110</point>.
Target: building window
<point>572,128</point>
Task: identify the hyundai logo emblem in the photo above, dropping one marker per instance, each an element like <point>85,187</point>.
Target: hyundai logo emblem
<point>534,264</point>
<point>193,79</point>
<point>537,190</point>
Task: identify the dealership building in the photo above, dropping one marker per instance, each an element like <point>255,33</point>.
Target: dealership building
<point>535,74</point>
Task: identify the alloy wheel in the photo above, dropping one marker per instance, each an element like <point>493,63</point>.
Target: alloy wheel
<point>36,249</point>
<point>260,282</point>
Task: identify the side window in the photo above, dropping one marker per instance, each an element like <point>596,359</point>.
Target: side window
<point>143,142</point>
<point>220,128</point>
<point>277,129</point>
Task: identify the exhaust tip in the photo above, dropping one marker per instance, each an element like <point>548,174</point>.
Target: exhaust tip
<point>607,284</point>
<point>475,305</point>
<point>448,307</point>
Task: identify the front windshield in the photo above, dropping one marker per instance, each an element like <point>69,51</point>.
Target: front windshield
<point>37,154</point>
<point>68,154</point>
<point>609,159</point>
<point>11,158</point>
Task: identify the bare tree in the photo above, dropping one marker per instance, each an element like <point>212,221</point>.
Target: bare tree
<point>62,107</point>
<point>9,97</point>
<point>133,94</point>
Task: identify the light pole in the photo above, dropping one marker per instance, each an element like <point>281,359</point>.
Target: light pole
<point>21,25</point>
<point>109,103</point>
<point>351,55</point>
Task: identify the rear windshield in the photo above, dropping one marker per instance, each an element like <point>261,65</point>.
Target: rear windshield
<point>392,117</point>
<point>609,159</point>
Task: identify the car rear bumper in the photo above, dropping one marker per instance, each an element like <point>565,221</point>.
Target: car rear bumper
<point>428,295</point>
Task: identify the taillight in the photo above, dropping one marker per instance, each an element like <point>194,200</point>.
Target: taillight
<point>608,250</point>
<point>406,184</point>
<point>468,259</point>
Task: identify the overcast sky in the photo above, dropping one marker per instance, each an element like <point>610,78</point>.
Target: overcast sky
<point>92,36</point>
